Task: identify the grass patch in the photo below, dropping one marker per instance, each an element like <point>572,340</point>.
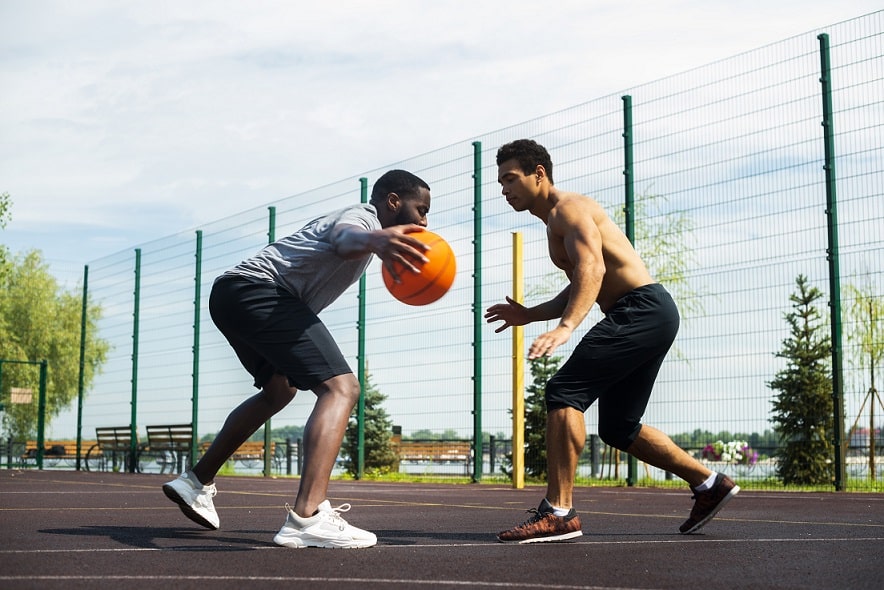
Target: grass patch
<point>227,469</point>
<point>772,484</point>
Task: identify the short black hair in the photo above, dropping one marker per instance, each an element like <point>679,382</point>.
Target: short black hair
<point>528,153</point>
<point>401,182</point>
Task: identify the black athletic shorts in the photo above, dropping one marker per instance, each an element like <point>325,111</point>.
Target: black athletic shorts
<point>274,332</point>
<point>617,362</point>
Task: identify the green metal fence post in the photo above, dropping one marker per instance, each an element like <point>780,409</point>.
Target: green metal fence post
<point>629,229</point>
<point>41,405</point>
<point>41,416</point>
<point>136,313</point>
<point>268,439</point>
<point>197,300</point>
<point>832,252</point>
<point>478,322</point>
<point>271,224</point>
<point>82,377</point>
<point>361,360</point>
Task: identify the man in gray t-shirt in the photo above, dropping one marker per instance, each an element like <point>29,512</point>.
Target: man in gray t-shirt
<point>266,307</point>
<point>306,263</point>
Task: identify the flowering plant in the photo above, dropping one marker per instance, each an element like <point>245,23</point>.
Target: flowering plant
<point>736,451</point>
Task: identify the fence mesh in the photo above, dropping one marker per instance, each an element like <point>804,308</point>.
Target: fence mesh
<point>730,204</point>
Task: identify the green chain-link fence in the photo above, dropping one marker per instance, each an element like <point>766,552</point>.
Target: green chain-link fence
<point>730,202</point>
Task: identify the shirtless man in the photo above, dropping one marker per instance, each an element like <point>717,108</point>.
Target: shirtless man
<point>616,362</point>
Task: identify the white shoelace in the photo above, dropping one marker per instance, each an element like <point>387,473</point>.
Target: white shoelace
<point>333,513</point>
<point>204,498</point>
<point>335,517</point>
<point>341,508</point>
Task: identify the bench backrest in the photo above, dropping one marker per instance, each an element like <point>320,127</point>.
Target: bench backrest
<point>58,448</point>
<point>434,450</point>
<point>114,438</point>
<point>176,437</point>
<point>66,448</point>
<point>248,448</point>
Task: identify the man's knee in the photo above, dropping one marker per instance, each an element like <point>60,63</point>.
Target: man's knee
<point>619,435</point>
<point>345,386</point>
<point>277,392</point>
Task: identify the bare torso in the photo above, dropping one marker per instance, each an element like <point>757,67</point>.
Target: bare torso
<point>579,218</point>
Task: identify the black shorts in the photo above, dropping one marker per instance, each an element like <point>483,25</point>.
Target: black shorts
<point>617,362</point>
<point>274,332</point>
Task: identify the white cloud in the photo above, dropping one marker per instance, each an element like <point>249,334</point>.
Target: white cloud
<point>121,122</point>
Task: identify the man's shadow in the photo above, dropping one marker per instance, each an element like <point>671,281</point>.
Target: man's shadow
<point>147,537</point>
<point>413,537</point>
<point>197,540</point>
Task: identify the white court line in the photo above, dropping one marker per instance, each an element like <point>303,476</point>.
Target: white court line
<point>408,582</point>
<point>78,492</point>
<point>692,540</point>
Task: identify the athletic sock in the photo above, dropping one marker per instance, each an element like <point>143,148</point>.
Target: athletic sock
<point>561,512</point>
<point>190,475</point>
<point>707,485</point>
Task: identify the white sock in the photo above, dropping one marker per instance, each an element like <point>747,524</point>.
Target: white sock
<point>707,485</point>
<point>561,512</point>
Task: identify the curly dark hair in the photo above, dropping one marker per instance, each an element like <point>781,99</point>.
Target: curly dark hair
<point>528,153</point>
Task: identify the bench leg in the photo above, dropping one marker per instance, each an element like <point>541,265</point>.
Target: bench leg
<point>95,459</point>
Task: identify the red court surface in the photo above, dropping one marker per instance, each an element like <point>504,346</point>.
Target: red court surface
<point>103,530</point>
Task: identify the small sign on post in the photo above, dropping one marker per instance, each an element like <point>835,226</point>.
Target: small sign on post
<point>21,395</point>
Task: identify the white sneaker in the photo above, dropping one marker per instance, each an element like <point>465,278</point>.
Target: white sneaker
<point>326,529</point>
<point>195,501</point>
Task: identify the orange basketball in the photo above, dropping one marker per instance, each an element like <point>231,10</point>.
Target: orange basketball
<point>435,278</point>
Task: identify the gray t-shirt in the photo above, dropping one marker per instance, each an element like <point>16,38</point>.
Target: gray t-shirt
<point>305,262</point>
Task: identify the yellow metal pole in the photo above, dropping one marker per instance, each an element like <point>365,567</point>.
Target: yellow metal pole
<point>518,373</point>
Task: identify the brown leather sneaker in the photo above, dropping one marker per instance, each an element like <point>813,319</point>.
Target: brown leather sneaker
<point>708,503</point>
<point>543,526</point>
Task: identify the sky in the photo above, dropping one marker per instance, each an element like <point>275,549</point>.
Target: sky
<point>122,122</point>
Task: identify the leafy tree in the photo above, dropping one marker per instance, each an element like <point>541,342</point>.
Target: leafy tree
<point>5,208</point>
<point>425,434</point>
<point>5,213</point>
<point>379,454</point>
<point>39,320</point>
<point>292,432</point>
<point>865,328</point>
<point>865,331</point>
<point>661,240</point>
<point>803,408</point>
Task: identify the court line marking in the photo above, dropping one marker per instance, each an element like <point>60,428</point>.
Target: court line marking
<point>857,496</point>
<point>384,503</point>
<point>329,580</point>
<point>375,502</point>
<point>394,546</point>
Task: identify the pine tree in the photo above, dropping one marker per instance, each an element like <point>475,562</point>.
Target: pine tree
<point>542,369</point>
<point>379,454</point>
<point>804,408</point>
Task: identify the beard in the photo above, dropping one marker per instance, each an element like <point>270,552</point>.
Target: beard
<point>404,217</point>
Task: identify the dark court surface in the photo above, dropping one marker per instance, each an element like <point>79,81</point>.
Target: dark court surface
<point>74,530</point>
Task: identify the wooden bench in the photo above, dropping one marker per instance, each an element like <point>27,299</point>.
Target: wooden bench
<point>55,452</point>
<point>250,454</point>
<point>168,445</point>
<point>112,450</point>
<point>434,451</point>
